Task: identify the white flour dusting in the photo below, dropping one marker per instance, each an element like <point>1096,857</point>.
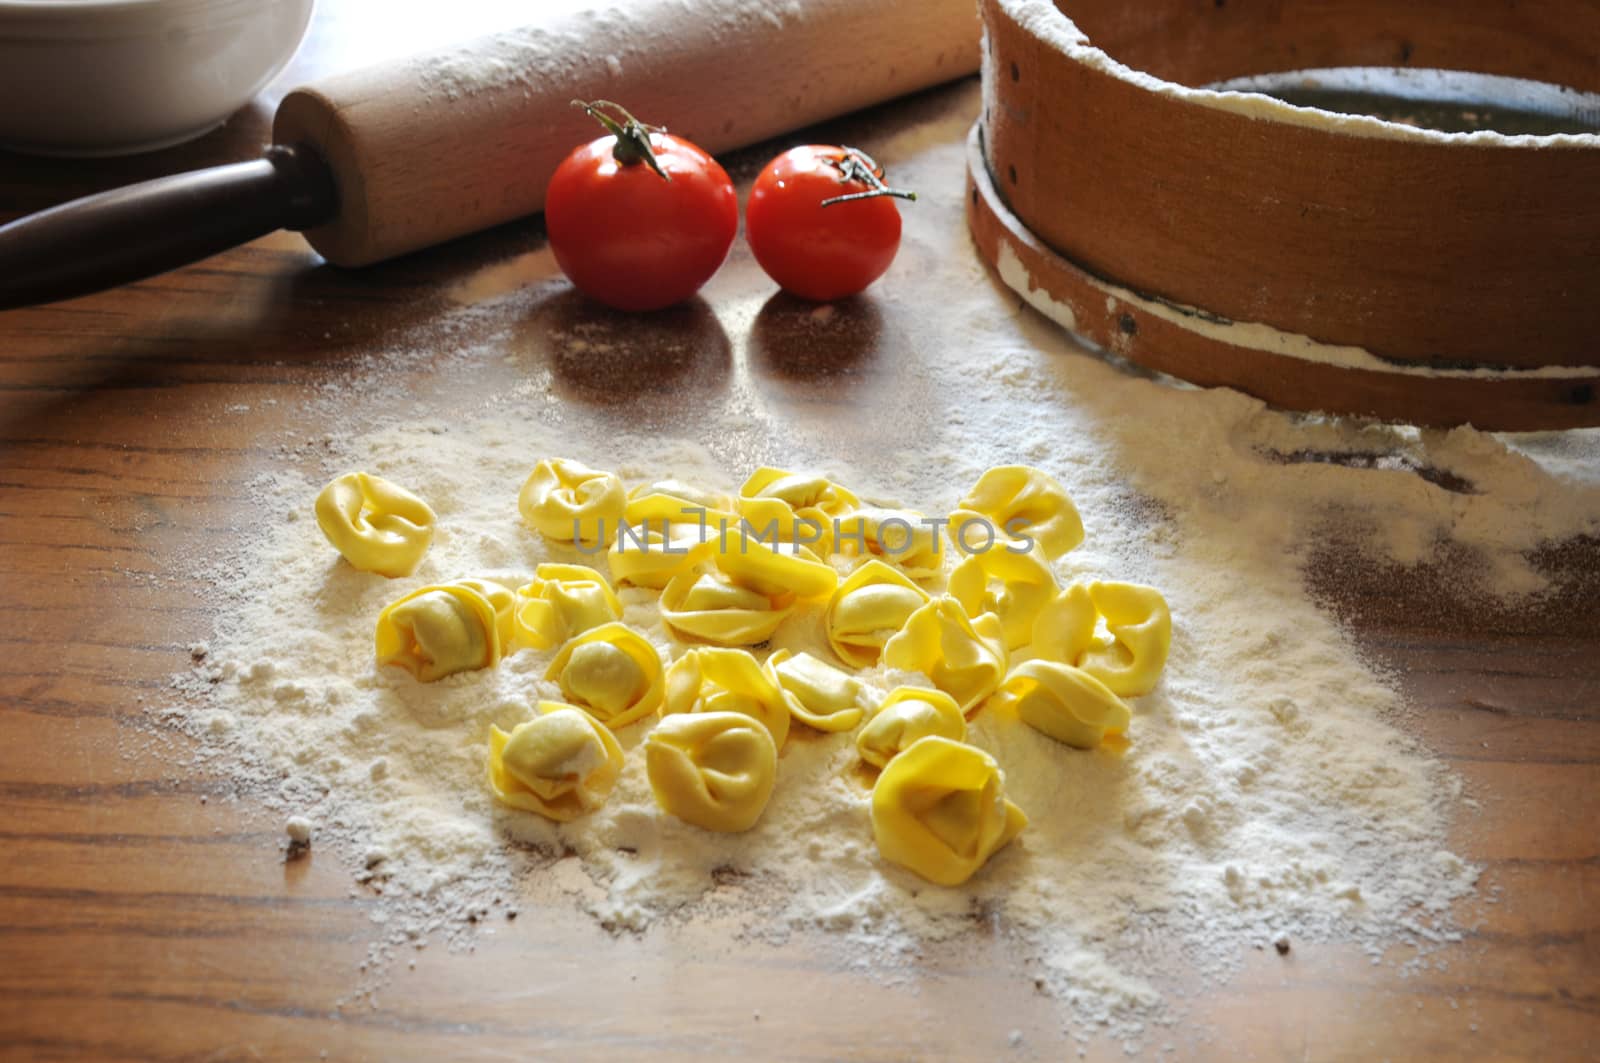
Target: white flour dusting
<point>1268,789</point>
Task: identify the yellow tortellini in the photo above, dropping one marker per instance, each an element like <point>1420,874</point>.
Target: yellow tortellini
<point>1012,586</point>
<point>504,602</point>
<point>612,671</point>
<point>378,526</point>
<point>561,764</point>
<point>562,601</point>
<point>742,599</point>
<point>905,715</point>
<point>870,606</point>
<point>1064,702</point>
<point>1139,623</point>
<point>800,491</point>
<point>901,537</point>
<point>965,658</point>
<point>780,570</point>
<point>797,507</point>
<point>713,679</point>
<point>1064,628</point>
<point>940,809</point>
<point>818,693</point>
<point>568,501</point>
<point>715,770</point>
<point>653,556</point>
<point>439,630</point>
<point>671,502</point>
<point>1141,627</point>
<point>1016,502</point>
<point>705,604</point>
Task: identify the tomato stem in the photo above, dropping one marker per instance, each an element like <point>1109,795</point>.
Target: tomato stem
<point>857,165</point>
<point>633,136</point>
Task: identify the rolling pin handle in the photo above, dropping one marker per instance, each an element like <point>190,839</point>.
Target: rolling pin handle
<point>131,233</point>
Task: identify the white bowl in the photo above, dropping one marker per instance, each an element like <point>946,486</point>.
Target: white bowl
<point>113,77</point>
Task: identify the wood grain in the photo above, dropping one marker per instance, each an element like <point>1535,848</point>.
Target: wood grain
<point>146,913</point>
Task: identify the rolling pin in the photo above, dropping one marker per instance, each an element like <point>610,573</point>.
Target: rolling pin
<point>406,154</point>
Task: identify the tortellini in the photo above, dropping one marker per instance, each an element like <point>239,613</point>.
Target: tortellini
<point>1137,618</point>
<point>902,537</point>
<point>818,693</point>
<point>715,770</point>
<point>652,557</point>
<point>562,601</point>
<point>439,630</point>
<point>713,679</point>
<point>870,606</point>
<point>378,526</point>
<point>785,570</point>
<point>1012,586</point>
<point>803,492</point>
<point>742,600</point>
<point>794,507</point>
<point>504,602</point>
<point>612,671</point>
<point>568,501</point>
<point>1013,502</point>
<point>1141,627</point>
<point>671,502</point>
<point>708,606</point>
<point>905,715</point>
<point>1064,702</point>
<point>1064,628</point>
<point>940,809</point>
<point>965,658</point>
<point>561,764</point>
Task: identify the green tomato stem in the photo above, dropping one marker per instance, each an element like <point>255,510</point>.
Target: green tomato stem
<point>633,136</point>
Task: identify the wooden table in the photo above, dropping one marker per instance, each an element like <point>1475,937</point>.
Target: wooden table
<point>140,920</point>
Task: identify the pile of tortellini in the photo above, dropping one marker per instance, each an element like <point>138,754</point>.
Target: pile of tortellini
<point>1001,632</point>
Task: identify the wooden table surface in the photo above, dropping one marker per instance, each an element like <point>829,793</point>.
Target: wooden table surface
<point>139,920</point>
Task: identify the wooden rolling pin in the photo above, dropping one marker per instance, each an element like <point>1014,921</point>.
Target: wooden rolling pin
<point>407,154</point>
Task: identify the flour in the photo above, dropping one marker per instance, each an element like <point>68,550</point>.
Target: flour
<point>1268,790</point>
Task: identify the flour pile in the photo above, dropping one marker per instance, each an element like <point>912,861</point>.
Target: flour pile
<point>1268,788</point>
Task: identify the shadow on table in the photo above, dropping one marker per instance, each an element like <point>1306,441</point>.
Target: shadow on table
<point>662,365</point>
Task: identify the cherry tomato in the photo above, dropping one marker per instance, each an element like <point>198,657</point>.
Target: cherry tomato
<point>818,249</point>
<point>639,219</point>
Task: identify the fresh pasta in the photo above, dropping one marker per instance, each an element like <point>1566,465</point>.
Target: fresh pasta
<point>1015,502</point>
<point>612,671</point>
<point>714,679</point>
<point>819,695</point>
<point>438,630</point>
<point>940,809</point>
<point>1064,702</point>
<point>869,608</point>
<point>965,658</point>
<point>378,526</point>
<point>568,501</point>
<point>562,601</point>
<point>905,715</point>
<point>560,764</point>
<point>715,770</point>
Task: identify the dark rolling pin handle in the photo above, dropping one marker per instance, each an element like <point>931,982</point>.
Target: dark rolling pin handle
<point>127,234</point>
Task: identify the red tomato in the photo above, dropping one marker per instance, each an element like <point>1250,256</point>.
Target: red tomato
<point>815,251</point>
<point>634,234</point>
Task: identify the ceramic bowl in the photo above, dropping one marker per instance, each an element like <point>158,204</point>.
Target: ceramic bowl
<point>114,77</point>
